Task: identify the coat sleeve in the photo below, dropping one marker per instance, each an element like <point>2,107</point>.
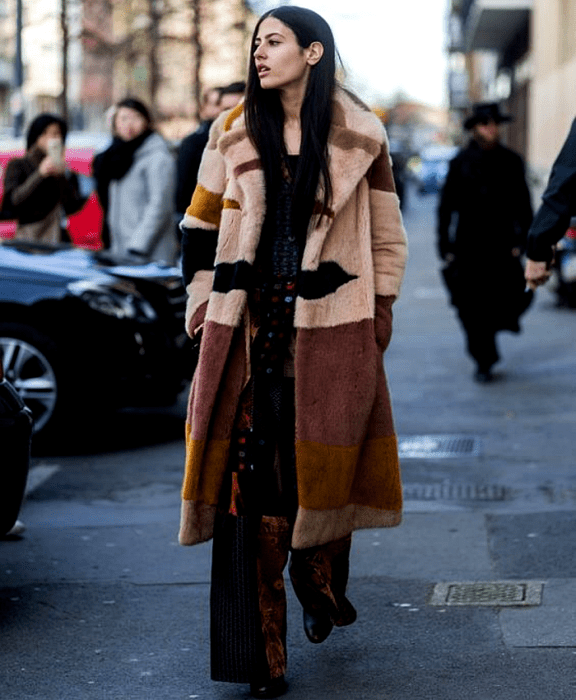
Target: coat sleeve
<point>447,206</point>
<point>18,186</point>
<point>389,246</point>
<point>161,183</point>
<point>558,203</point>
<point>525,212</point>
<point>200,227</point>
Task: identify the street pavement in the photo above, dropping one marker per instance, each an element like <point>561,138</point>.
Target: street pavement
<point>472,597</point>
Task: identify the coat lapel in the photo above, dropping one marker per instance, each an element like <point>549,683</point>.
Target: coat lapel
<point>355,141</point>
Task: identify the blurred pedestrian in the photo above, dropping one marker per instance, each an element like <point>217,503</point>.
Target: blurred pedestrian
<point>215,100</point>
<point>483,218</point>
<point>135,181</point>
<point>293,254</point>
<point>39,191</point>
<point>553,217</point>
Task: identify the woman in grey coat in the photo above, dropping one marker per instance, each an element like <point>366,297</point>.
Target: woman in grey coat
<point>136,180</point>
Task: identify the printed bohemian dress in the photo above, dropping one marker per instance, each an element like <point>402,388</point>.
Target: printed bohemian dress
<point>258,505</point>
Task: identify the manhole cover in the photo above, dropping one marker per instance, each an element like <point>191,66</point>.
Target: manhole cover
<point>438,446</point>
<point>490,593</point>
<point>456,492</point>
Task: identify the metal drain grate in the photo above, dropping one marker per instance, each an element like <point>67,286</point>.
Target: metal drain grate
<point>488,593</point>
<point>438,446</point>
<point>457,492</point>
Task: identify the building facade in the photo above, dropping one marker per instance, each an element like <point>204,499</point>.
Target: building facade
<point>165,52</point>
<point>553,71</point>
<point>521,53</point>
<point>491,41</point>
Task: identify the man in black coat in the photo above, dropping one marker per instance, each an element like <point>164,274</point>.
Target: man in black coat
<point>192,147</point>
<point>191,150</point>
<point>553,217</point>
<point>483,219</point>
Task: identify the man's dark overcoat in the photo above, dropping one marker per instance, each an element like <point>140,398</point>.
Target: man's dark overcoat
<point>483,216</point>
<point>558,203</point>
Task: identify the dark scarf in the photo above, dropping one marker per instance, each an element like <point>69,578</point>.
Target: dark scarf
<point>113,164</point>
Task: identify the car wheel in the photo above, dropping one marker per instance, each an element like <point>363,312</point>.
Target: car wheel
<point>29,365</point>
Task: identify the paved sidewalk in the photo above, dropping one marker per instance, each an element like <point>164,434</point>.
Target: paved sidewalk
<point>98,602</point>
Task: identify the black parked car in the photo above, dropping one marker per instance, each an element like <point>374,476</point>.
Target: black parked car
<point>81,332</point>
<point>15,437</point>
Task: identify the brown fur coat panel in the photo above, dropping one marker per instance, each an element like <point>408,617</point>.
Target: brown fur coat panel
<point>354,257</point>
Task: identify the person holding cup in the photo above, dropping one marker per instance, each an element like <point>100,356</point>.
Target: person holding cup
<point>39,192</point>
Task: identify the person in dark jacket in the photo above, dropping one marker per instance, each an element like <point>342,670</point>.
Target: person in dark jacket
<point>192,147</point>
<point>39,191</point>
<point>483,219</point>
<point>553,217</point>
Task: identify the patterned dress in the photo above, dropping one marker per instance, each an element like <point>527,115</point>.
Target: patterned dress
<point>253,530</point>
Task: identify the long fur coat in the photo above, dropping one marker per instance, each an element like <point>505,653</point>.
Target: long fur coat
<point>347,467</point>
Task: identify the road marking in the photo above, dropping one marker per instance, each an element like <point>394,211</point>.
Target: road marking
<point>39,475</point>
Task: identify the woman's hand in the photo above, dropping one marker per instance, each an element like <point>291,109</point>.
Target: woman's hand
<point>536,273</point>
<point>48,167</point>
<point>383,321</point>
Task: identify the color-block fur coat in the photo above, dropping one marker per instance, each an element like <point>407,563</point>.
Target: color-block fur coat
<point>346,450</point>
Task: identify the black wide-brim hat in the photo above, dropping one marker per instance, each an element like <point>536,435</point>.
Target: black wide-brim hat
<point>484,112</point>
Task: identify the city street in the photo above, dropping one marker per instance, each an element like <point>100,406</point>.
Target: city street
<point>99,602</point>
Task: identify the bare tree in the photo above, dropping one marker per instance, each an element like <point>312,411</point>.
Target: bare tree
<point>198,54</point>
<point>65,38</point>
<point>155,14</point>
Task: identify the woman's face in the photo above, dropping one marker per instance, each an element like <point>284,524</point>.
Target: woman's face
<point>128,123</point>
<point>51,132</point>
<point>280,61</point>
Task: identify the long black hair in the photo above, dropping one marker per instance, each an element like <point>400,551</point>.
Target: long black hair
<point>265,116</point>
<point>39,126</point>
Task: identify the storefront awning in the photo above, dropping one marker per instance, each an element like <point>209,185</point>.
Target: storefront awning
<point>493,24</point>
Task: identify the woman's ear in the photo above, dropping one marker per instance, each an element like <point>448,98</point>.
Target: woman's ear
<point>315,53</point>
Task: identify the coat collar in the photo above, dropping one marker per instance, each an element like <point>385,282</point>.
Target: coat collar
<point>354,142</point>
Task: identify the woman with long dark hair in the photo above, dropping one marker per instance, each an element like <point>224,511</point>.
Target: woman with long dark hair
<point>293,253</point>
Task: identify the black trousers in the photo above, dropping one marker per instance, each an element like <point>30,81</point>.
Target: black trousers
<point>481,343</point>
<point>248,597</point>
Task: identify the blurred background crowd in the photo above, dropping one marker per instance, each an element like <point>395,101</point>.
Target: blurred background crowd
<point>76,58</point>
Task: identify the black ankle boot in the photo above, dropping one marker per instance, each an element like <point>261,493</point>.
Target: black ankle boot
<point>317,628</point>
<point>270,688</point>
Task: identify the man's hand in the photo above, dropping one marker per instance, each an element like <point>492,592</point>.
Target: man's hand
<point>536,273</point>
